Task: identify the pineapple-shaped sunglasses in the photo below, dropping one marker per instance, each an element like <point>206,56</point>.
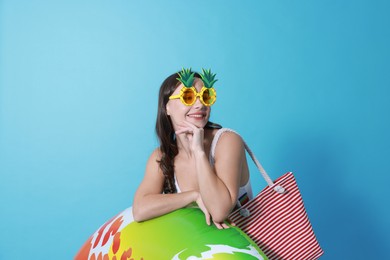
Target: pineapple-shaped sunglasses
<point>188,93</point>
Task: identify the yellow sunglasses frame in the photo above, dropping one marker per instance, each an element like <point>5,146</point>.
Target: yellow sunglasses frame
<point>197,94</point>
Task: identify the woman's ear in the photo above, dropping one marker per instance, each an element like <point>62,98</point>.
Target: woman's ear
<point>167,109</point>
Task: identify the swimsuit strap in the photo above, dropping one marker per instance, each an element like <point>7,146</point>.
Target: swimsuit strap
<point>215,141</point>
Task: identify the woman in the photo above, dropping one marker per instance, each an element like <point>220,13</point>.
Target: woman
<point>179,172</point>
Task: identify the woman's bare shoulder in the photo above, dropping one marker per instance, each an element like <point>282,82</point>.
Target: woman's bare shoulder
<point>229,142</point>
<point>153,160</point>
<point>229,137</point>
<point>156,154</point>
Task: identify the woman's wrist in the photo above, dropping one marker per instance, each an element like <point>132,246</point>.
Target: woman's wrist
<point>199,153</point>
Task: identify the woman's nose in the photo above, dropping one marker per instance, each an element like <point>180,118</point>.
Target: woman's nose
<point>198,103</point>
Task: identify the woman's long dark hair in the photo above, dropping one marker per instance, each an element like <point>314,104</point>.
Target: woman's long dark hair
<point>166,133</point>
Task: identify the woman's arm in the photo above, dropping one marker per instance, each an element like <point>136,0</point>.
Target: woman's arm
<point>218,187</point>
<point>149,202</point>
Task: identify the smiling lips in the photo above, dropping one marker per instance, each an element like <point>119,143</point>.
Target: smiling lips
<point>197,115</point>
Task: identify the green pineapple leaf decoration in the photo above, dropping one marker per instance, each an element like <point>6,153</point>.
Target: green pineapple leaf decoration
<point>208,78</point>
<point>186,76</point>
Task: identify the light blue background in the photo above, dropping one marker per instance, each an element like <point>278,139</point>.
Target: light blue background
<point>306,83</point>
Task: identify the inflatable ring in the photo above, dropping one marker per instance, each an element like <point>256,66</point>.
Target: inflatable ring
<point>179,235</point>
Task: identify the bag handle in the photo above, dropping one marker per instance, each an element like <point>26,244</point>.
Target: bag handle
<point>277,188</point>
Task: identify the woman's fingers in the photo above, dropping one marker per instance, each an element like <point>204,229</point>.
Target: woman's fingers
<point>186,127</point>
<point>221,225</point>
<point>208,218</point>
<point>231,222</point>
<point>218,225</point>
<point>203,208</point>
<point>207,215</point>
<point>186,130</point>
<point>225,226</point>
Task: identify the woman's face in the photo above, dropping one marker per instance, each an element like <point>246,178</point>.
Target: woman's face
<point>197,114</point>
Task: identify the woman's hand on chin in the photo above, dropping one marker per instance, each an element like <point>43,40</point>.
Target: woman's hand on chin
<point>193,134</point>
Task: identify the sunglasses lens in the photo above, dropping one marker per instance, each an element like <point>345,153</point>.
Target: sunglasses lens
<point>188,96</point>
<point>209,96</point>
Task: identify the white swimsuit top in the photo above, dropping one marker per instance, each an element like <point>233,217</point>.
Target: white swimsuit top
<point>245,192</point>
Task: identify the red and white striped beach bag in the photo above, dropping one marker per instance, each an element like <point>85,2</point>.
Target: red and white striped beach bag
<point>278,222</point>
<point>276,219</point>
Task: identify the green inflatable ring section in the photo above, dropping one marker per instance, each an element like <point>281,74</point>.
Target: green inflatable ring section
<point>184,234</point>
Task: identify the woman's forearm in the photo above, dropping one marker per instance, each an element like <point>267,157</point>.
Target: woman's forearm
<point>214,192</point>
<point>154,205</point>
